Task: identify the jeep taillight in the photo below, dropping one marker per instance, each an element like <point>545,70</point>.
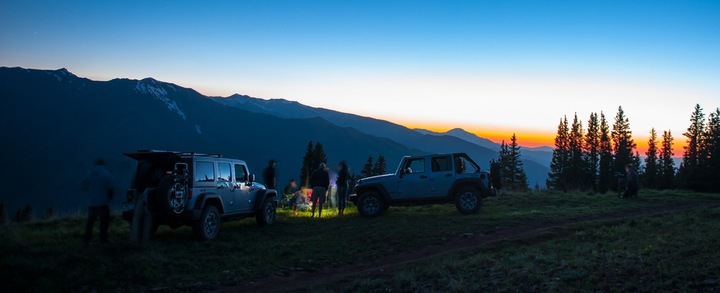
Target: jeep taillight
<point>189,194</point>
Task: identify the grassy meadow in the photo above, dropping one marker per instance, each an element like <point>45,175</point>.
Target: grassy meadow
<point>639,252</point>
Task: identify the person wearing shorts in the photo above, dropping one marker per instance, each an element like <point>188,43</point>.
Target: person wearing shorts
<point>320,181</point>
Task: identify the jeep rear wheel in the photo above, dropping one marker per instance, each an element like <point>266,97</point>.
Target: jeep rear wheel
<point>370,204</point>
<point>467,200</point>
<point>208,226</point>
<point>266,214</point>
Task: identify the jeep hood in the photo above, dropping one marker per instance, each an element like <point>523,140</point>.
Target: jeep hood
<point>375,178</point>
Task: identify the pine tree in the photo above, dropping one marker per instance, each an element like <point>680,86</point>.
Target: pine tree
<point>689,169</point>
<point>319,156</point>
<point>605,172</point>
<point>576,175</point>
<point>710,153</point>
<point>368,168</point>
<point>667,163</point>
<point>623,144</point>
<point>520,177</point>
<point>380,166</point>
<point>592,151</point>
<point>557,178</point>
<point>307,165</point>
<point>650,174</point>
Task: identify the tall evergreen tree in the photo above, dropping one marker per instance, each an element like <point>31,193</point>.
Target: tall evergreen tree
<point>307,165</point>
<point>689,169</point>
<point>380,166</point>
<point>557,178</point>
<point>605,164</point>
<point>592,151</point>
<point>368,168</point>
<point>710,153</point>
<point>667,163</point>
<point>577,176</point>
<point>515,157</point>
<point>650,174</point>
<point>623,144</point>
<point>319,155</point>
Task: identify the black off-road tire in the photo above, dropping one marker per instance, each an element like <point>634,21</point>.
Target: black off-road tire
<point>267,213</point>
<point>370,204</point>
<point>162,200</point>
<point>208,226</point>
<point>468,200</point>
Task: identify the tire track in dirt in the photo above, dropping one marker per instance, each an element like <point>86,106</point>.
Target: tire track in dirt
<point>530,234</point>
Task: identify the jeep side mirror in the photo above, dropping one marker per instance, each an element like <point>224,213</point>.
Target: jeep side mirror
<point>251,179</point>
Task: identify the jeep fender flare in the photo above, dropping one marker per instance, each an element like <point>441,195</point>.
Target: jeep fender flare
<point>377,187</point>
<point>472,182</point>
<point>202,200</point>
<point>261,195</point>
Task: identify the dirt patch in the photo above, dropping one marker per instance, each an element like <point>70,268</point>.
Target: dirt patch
<point>530,234</point>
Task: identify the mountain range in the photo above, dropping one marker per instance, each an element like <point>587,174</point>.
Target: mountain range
<point>54,124</point>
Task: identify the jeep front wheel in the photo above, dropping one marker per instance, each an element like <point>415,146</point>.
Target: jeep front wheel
<point>467,200</point>
<point>370,204</point>
<point>208,226</point>
<point>266,214</point>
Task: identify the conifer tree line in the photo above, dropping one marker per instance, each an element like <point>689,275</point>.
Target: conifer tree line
<point>700,168</point>
<point>592,158</point>
<point>512,173</point>
<point>374,169</point>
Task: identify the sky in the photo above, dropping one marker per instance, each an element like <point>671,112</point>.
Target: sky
<point>490,67</point>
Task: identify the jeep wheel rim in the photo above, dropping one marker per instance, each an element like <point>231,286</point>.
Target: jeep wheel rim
<point>210,224</point>
<point>371,205</point>
<point>269,213</point>
<point>468,200</point>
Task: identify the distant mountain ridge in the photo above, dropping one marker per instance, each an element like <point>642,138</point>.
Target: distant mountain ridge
<point>542,155</point>
<point>536,161</point>
<point>54,124</point>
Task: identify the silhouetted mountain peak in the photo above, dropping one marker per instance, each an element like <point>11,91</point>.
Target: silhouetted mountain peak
<point>159,90</point>
<point>62,75</point>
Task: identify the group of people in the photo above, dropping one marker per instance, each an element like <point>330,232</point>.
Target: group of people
<point>319,184</point>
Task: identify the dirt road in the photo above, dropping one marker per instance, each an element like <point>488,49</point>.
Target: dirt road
<point>529,234</point>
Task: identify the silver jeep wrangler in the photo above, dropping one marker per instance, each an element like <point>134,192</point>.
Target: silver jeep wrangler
<point>431,179</point>
<point>198,190</point>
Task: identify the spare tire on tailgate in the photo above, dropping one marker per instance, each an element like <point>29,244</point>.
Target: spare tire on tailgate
<point>170,195</point>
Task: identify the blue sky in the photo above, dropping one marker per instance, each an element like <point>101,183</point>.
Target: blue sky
<point>493,67</point>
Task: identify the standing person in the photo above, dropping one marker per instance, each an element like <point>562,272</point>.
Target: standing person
<point>342,187</point>
<point>631,182</point>
<point>320,181</point>
<point>270,176</point>
<point>99,185</point>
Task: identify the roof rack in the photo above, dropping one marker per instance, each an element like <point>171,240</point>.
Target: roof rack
<point>188,154</point>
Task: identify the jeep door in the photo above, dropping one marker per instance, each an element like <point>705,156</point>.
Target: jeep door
<point>413,181</point>
<point>243,196</point>
<point>225,187</point>
<point>441,175</point>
